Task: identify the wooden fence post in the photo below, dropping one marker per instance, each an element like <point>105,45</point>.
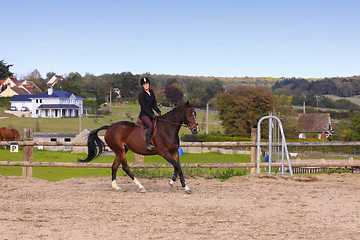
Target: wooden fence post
<point>28,135</point>
<point>138,159</point>
<point>253,150</point>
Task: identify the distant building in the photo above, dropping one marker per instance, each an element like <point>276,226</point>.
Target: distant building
<point>54,137</point>
<point>11,86</point>
<point>31,87</point>
<point>319,123</point>
<point>53,80</point>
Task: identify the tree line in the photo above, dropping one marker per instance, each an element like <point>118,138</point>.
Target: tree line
<point>239,107</point>
<point>342,87</point>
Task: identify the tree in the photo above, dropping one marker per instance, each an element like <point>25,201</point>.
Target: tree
<point>36,78</point>
<point>73,84</point>
<point>241,108</point>
<point>4,70</point>
<point>103,92</point>
<point>174,94</point>
<point>202,91</point>
<point>353,132</point>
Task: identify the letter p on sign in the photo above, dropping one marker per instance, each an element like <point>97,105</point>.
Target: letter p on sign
<point>14,147</point>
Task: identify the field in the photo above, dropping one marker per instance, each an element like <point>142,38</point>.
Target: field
<point>118,113</point>
<point>262,207</point>
<point>354,99</point>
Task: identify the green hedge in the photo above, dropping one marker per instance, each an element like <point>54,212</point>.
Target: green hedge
<point>211,138</point>
<point>5,102</point>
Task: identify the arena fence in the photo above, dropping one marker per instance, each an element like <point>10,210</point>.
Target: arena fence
<point>28,144</point>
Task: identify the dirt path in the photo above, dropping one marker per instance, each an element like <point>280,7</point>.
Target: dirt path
<point>265,207</point>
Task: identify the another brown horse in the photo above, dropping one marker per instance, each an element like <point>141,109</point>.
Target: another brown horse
<point>9,134</point>
<point>125,135</point>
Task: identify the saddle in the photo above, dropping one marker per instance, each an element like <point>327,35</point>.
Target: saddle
<point>141,124</point>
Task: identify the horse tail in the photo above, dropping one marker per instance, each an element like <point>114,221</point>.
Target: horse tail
<point>95,145</point>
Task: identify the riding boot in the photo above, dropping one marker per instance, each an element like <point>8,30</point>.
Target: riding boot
<point>148,135</point>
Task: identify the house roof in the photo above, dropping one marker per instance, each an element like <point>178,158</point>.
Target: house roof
<point>20,91</point>
<point>58,106</point>
<point>21,98</point>
<point>313,122</point>
<point>54,79</point>
<point>31,87</point>
<point>56,94</point>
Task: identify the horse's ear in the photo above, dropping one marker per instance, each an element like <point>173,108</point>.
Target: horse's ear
<point>190,104</point>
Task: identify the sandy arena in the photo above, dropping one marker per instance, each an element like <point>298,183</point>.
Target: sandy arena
<point>261,207</point>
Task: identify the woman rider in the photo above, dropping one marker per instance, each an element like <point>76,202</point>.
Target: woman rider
<point>147,103</point>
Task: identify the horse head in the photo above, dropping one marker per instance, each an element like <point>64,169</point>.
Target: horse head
<point>16,134</point>
<point>190,118</point>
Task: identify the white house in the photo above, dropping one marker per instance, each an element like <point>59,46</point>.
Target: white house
<point>50,104</point>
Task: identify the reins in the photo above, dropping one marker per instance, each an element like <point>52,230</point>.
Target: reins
<point>178,124</point>
<point>163,120</point>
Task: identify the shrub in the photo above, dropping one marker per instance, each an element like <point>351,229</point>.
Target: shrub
<point>102,112</point>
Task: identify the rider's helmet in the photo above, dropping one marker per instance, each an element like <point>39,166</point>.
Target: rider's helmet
<point>144,80</point>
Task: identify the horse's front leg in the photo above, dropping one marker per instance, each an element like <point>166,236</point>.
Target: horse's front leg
<point>177,169</point>
<point>174,176</point>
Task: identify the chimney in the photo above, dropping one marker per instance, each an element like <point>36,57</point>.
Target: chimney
<point>50,91</point>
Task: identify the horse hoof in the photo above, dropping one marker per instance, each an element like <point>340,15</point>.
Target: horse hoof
<point>142,190</point>
<point>188,191</point>
<point>171,183</point>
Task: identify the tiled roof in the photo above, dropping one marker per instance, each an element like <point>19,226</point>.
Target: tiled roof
<point>313,122</point>
<point>21,98</point>
<point>56,94</point>
<point>20,91</point>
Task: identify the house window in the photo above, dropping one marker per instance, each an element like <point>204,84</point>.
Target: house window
<point>40,100</point>
<point>53,139</point>
<point>37,100</point>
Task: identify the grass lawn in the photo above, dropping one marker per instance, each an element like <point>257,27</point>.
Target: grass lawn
<point>118,113</point>
<point>59,173</point>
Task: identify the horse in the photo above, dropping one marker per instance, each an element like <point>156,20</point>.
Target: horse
<point>9,134</point>
<point>124,135</point>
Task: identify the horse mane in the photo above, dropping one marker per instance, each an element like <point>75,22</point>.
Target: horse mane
<point>171,113</point>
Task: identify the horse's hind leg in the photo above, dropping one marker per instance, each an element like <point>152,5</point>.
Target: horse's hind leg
<point>121,158</point>
<point>114,169</point>
<point>173,179</point>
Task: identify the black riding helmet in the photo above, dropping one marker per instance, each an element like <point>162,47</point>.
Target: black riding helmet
<point>144,80</point>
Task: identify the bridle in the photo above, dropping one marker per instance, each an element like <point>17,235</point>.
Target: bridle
<point>180,124</point>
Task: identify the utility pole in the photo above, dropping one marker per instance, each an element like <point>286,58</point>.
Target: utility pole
<point>80,117</point>
<point>110,98</point>
<point>207,118</point>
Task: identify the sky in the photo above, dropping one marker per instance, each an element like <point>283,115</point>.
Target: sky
<point>225,38</point>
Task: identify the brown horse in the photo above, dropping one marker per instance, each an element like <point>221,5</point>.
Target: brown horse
<point>125,135</point>
<point>9,134</point>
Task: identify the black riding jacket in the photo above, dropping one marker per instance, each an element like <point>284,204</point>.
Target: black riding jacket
<point>148,103</point>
